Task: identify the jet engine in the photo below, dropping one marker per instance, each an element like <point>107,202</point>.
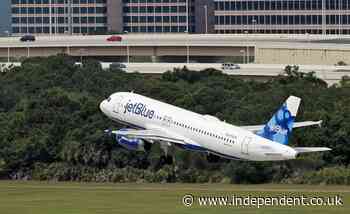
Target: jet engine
<point>133,144</point>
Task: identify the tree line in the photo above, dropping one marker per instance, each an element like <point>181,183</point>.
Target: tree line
<point>52,129</point>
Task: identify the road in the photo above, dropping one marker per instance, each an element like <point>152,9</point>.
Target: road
<point>331,74</point>
<point>210,40</point>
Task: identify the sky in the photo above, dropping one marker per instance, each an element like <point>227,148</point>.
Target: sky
<point>4,16</point>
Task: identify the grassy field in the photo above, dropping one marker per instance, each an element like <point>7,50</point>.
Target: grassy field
<point>81,198</point>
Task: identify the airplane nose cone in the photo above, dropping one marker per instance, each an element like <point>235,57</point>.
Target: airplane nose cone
<point>103,106</point>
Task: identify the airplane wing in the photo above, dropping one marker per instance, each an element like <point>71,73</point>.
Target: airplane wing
<point>160,135</point>
<point>152,135</point>
<point>257,128</point>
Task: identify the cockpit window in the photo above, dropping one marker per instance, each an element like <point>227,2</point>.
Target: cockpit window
<point>109,99</point>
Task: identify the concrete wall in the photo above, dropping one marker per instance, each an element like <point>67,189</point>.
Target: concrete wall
<point>122,51</point>
<point>31,52</point>
<point>264,55</point>
<point>301,56</point>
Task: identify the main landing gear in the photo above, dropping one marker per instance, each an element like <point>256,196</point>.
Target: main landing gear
<point>167,158</point>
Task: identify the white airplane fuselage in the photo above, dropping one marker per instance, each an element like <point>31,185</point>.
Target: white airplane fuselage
<point>204,133</point>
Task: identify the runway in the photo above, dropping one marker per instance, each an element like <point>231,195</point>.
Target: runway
<point>107,198</point>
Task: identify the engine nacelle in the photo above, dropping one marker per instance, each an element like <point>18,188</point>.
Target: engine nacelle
<point>133,144</point>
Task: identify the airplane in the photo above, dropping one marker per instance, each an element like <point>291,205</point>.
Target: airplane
<point>150,121</point>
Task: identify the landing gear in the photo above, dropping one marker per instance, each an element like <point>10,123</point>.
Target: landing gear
<point>166,160</point>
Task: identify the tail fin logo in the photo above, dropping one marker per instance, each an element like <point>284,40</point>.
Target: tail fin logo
<point>279,129</point>
<point>280,126</point>
<point>281,122</point>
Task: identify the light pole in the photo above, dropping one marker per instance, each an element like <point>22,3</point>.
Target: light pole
<point>187,48</point>
<point>8,54</point>
<point>253,40</point>
<point>28,51</point>
<point>243,55</point>
<point>81,51</point>
<point>247,46</point>
<point>127,49</point>
<point>8,48</point>
<point>206,18</point>
<point>308,45</point>
<point>254,22</point>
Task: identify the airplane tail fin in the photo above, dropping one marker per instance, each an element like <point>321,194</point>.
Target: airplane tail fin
<point>280,126</point>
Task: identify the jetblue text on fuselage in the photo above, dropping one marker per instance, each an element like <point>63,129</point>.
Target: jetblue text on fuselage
<point>138,109</point>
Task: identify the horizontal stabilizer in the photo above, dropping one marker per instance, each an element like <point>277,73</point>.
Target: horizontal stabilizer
<point>311,149</point>
<point>307,123</point>
<point>256,128</point>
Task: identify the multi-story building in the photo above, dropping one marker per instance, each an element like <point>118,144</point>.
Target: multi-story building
<point>157,16</point>
<point>59,16</point>
<point>193,16</point>
<point>97,16</point>
<point>282,16</point>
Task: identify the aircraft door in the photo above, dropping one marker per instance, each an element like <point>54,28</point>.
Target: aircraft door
<point>245,145</point>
